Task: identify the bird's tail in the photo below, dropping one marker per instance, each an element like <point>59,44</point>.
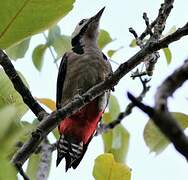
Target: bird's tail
<point>71,150</point>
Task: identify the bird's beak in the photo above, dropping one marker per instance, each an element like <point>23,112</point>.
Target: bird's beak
<point>98,15</point>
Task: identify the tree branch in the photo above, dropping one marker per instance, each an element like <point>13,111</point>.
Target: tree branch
<point>20,86</point>
<point>160,114</point>
<point>51,121</point>
<point>45,160</point>
<point>106,127</point>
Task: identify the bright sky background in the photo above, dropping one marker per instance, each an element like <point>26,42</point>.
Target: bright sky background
<point>119,15</point>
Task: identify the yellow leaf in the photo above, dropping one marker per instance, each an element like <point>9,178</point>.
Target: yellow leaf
<point>106,168</point>
<point>48,103</point>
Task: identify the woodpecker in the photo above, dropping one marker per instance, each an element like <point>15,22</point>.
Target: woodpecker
<point>79,70</point>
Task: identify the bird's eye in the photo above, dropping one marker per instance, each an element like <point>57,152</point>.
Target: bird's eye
<point>82,21</point>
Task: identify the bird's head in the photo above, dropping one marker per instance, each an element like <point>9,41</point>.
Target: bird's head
<point>86,31</point>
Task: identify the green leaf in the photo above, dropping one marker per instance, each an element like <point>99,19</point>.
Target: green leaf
<point>62,45</point>
<point>33,165</point>
<point>56,133</point>
<point>153,137</point>
<point>168,55</point>
<point>114,107</point>
<point>111,53</point>
<point>115,141</point>
<point>104,39</point>
<point>18,51</point>
<point>9,96</point>
<point>106,168</point>
<point>7,170</point>
<point>181,118</point>
<point>133,43</point>
<point>23,18</point>
<point>53,34</point>
<point>17,131</point>
<point>38,56</point>
<point>6,115</point>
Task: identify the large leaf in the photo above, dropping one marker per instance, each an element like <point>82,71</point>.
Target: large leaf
<point>22,18</point>
<point>38,56</point>
<point>17,132</point>
<point>115,141</point>
<point>104,39</point>
<point>106,168</point>
<point>7,171</point>
<point>18,51</point>
<point>8,95</point>
<point>6,115</point>
<point>153,137</point>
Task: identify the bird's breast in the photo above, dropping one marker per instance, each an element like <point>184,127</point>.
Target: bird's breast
<point>83,73</point>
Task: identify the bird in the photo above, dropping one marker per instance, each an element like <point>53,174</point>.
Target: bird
<point>80,69</point>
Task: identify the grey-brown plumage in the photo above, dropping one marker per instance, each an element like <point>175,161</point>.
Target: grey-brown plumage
<point>80,70</point>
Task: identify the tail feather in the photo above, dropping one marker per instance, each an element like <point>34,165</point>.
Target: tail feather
<point>69,148</point>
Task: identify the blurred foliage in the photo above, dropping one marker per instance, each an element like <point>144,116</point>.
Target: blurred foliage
<point>21,19</point>
<point>116,141</point>
<point>9,96</point>
<point>38,56</point>
<point>107,168</point>
<point>104,39</point>
<point>12,131</point>
<point>8,172</point>
<point>32,167</point>
<point>19,50</point>
<point>62,43</point>
<point>154,138</point>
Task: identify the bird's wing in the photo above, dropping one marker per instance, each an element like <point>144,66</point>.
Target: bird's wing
<point>60,80</point>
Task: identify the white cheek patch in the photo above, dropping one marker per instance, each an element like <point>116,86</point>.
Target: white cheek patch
<point>78,29</point>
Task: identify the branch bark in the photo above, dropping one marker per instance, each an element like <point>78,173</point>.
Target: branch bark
<point>106,127</point>
<point>51,121</point>
<point>160,114</point>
